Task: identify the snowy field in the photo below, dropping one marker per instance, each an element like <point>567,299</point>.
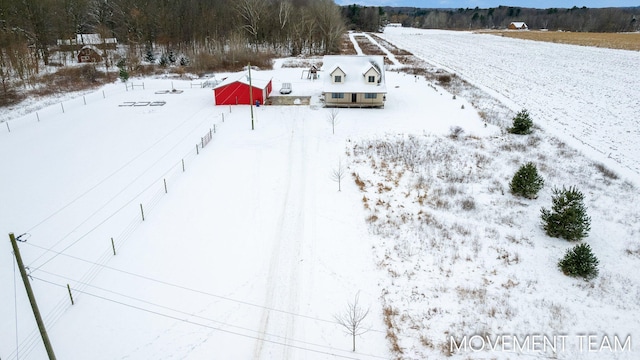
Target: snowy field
<point>250,250</point>
<point>588,96</point>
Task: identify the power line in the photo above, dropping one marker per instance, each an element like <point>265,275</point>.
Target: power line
<point>213,327</point>
<point>201,292</point>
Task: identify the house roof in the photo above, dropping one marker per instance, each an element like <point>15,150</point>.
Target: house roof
<point>256,81</point>
<point>518,24</point>
<point>93,39</point>
<point>354,66</point>
<point>97,51</point>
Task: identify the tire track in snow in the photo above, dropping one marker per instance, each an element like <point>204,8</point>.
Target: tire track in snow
<point>283,284</point>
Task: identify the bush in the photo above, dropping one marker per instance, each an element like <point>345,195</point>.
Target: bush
<point>579,261</point>
<point>522,123</point>
<point>124,75</point>
<point>568,216</point>
<point>526,182</point>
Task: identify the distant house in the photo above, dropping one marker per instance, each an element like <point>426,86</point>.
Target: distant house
<point>518,25</point>
<point>354,81</point>
<point>236,90</point>
<point>89,54</point>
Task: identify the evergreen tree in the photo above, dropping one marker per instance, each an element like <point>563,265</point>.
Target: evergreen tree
<point>164,60</point>
<point>522,123</point>
<point>580,261</point>
<point>526,182</point>
<point>124,74</point>
<point>568,216</point>
<point>150,57</point>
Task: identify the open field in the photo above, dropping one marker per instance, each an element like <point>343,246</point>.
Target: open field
<point>623,41</point>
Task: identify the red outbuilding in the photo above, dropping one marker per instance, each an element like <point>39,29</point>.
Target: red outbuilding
<point>235,90</point>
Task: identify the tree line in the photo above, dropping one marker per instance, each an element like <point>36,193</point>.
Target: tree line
<point>30,29</point>
<point>573,19</point>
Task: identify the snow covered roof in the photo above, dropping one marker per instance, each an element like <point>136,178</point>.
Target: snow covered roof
<point>256,81</point>
<point>93,39</point>
<point>519,24</point>
<point>98,51</point>
<point>355,67</point>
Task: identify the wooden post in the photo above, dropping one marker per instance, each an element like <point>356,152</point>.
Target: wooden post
<point>142,211</point>
<point>70,294</point>
<point>165,186</point>
<point>182,165</point>
<point>84,99</point>
<point>8,128</point>
<point>62,106</point>
<point>32,298</point>
<point>104,97</point>
<point>197,151</point>
<point>38,116</point>
<point>113,246</point>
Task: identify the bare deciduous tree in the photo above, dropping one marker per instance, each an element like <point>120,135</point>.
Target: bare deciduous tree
<point>338,174</point>
<point>333,119</point>
<point>352,319</point>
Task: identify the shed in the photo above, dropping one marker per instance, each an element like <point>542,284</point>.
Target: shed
<point>89,53</point>
<point>518,25</point>
<point>235,90</point>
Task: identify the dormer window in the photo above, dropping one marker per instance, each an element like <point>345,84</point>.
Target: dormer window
<point>372,79</point>
<point>337,79</point>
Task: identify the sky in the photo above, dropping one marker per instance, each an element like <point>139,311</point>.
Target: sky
<point>541,4</point>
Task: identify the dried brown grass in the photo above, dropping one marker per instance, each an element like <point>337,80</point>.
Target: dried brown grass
<point>626,41</point>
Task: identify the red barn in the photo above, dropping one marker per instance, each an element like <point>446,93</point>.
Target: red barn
<point>235,90</point>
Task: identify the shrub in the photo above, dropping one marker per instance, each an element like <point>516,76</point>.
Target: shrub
<point>568,216</point>
<point>124,75</point>
<point>580,261</point>
<point>522,123</point>
<point>526,182</point>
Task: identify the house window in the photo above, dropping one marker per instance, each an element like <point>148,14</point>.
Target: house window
<point>370,95</point>
<point>337,95</point>
<point>337,79</point>
<point>372,79</point>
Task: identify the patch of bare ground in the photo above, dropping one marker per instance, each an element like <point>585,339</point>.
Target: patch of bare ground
<point>389,46</point>
<point>347,47</point>
<point>624,41</point>
<point>367,47</point>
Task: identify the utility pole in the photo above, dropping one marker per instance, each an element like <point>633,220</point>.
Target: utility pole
<point>32,298</point>
<point>251,96</point>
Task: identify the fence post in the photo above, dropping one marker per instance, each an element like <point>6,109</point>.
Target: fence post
<point>142,211</point>
<point>165,186</point>
<point>104,97</point>
<point>84,99</point>
<point>222,117</point>
<point>8,128</point>
<point>62,106</point>
<point>70,294</point>
<point>38,116</point>
<point>182,165</point>
<point>197,151</point>
<point>113,246</point>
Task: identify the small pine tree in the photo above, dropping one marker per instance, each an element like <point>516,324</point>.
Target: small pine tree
<point>172,57</point>
<point>184,61</point>
<point>567,218</point>
<point>522,123</point>
<point>580,261</point>
<point>164,60</point>
<point>526,182</point>
<point>124,75</point>
<point>150,57</point>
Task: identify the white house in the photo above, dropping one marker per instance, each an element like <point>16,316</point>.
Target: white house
<point>353,81</point>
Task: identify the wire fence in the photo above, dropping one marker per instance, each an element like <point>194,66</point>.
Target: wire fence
<point>147,200</point>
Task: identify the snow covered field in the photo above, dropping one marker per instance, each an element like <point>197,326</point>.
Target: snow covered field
<point>252,250</point>
<point>590,97</point>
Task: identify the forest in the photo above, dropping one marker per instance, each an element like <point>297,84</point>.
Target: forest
<point>203,36</point>
<point>573,19</point>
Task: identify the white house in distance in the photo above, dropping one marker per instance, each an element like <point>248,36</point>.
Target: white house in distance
<point>353,81</point>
